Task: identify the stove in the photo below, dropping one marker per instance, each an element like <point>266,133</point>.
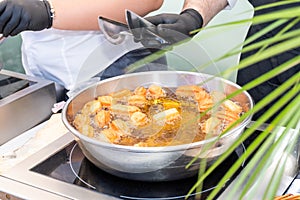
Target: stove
<point>70,165</point>
<point>62,170</point>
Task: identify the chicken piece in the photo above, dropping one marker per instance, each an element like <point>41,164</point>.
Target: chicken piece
<point>122,94</point>
<point>229,113</point>
<point>227,116</point>
<point>106,101</point>
<point>203,95</point>
<point>155,92</point>
<point>124,110</point>
<point>115,137</point>
<point>138,101</point>
<point>288,197</point>
<point>170,116</point>
<point>196,93</point>
<point>205,104</point>
<point>82,124</point>
<point>102,118</point>
<point>139,119</point>
<point>87,130</point>
<point>190,91</point>
<point>232,107</point>
<point>211,126</point>
<point>109,134</point>
<point>120,126</point>
<point>120,133</point>
<point>91,107</point>
<point>80,120</point>
<point>140,91</point>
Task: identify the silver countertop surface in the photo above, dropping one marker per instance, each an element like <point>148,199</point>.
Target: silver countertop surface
<point>51,135</point>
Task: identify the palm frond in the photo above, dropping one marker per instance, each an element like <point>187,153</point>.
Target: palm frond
<point>265,154</point>
<point>269,149</point>
<point>247,134</point>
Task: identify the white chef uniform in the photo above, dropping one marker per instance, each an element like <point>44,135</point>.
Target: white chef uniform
<point>59,55</point>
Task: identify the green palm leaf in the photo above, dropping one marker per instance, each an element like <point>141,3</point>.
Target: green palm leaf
<point>271,141</point>
<point>270,145</point>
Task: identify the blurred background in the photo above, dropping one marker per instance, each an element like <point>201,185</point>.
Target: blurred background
<point>10,54</point>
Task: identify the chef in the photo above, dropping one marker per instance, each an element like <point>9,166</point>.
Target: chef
<point>59,35</point>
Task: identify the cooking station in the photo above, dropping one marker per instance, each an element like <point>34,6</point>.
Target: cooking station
<point>25,101</point>
<point>47,162</point>
<point>59,170</point>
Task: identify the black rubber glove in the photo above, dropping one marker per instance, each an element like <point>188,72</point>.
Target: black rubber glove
<point>21,15</point>
<point>174,27</point>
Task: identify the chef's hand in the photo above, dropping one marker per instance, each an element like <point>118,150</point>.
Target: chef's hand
<point>176,27</point>
<point>21,15</point>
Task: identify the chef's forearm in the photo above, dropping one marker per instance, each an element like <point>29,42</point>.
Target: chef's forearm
<point>83,14</point>
<point>207,8</point>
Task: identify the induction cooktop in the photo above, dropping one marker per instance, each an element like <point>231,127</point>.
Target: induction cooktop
<point>62,169</point>
<point>70,165</point>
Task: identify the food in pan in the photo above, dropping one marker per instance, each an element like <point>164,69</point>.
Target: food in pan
<point>288,197</point>
<point>157,116</point>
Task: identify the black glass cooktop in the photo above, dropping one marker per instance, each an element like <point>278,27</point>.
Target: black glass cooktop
<point>10,85</point>
<point>70,165</point>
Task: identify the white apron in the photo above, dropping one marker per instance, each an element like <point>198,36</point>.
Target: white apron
<point>58,55</point>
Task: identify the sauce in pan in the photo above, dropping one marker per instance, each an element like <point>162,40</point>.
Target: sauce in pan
<point>157,116</point>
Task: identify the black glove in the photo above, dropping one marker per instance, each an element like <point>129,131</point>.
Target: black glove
<point>174,27</point>
<point>21,15</point>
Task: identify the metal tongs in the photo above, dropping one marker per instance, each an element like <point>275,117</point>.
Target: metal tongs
<point>120,39</point>
<point>142,31</point>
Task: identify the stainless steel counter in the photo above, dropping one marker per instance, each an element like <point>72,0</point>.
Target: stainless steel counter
<point>23,152</point>
<point>46,139</point>
<point>26,103</point>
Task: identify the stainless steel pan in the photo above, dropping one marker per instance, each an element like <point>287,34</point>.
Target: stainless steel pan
<point>152,163</point>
